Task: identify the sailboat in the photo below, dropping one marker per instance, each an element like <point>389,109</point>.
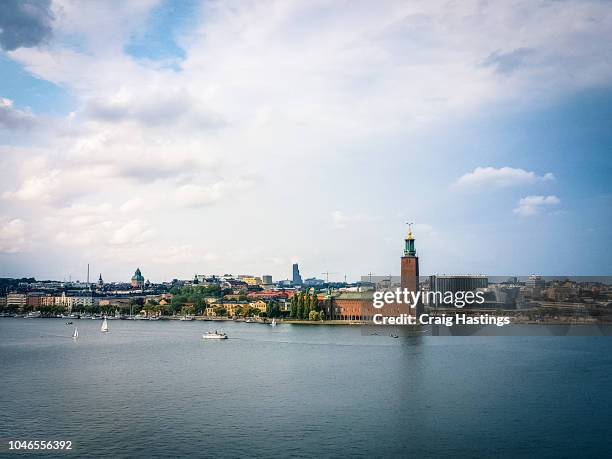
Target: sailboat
<point>273,322</point>
<point>75,335</point>
<point>104,327</point>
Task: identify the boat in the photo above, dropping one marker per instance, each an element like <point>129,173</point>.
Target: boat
<point>187,318</point>
<point>214,335</point>
<point>75,335</point>
<point>104,327</point>
<point>155,318</point>
<point>33,315</point>
<point>248,321</point>
<point>273,324</point>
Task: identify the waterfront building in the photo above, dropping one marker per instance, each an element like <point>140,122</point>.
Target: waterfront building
<point>16,300</point>
<point>297,278</point>
<point>454,284</point>
<point>534,286</point>
<point>358,305</point>
<point>137,280</point>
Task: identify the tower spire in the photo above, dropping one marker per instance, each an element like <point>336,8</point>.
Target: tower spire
<point>409,250</point>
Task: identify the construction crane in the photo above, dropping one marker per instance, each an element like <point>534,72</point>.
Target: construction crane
<point>327,273</point>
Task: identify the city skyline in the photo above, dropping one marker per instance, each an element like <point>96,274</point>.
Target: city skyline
<point>244,137</point>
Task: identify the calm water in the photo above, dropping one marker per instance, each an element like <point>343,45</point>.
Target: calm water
<point>157,389</point>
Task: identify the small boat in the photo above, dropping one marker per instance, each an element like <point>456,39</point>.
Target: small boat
<point>155,318</point>
<point>187,318</point>
<point>104,327</point>
<point>214,335</point>
<point>249,321</point>
<point>75,335</point>
<point>273,324</point>
<point>33,315</point>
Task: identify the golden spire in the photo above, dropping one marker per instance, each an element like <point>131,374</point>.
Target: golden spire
<point>410,236</point>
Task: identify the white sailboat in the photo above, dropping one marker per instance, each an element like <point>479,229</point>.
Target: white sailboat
<point>75,335</point>
<point>104,327</point>
<point>273,322</point>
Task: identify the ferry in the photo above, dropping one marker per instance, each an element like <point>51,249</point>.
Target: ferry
<point>214,335</point>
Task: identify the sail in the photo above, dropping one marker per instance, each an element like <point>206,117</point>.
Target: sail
<point>104,326</point>
<point>75,335</point>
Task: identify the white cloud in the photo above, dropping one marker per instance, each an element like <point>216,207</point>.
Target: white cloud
<point>534,205</point>
<point>132,233</point>
<point>339,220</point>
<point>13,118</point>
<point>491,177</point>
<point>132,205</point>
<point>265,88</point>
<point>192,195</point>
<point>12,236</point>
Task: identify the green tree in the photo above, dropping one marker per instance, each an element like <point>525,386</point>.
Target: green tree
<point>314,315</point>
<point>293,311</point>
<point>300,306</point>
<point>314,302</point>
<point>306,311</point>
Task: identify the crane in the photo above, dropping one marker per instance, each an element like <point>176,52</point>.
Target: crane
<point>327,273</point>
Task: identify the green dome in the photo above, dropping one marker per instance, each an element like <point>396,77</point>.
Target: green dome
<point>138,276</point>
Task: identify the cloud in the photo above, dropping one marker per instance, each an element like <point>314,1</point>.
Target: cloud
<point>534,205</point>
<point>153,106</point>
<point>491,177</point>
<point>134,232</point>
<point>192,195</point>
<point>24,23</point>
<point>132,205</point>
<point>12,236</point>
<point>280,91</point>
<point>12,118</point>
<point>341,220</point>
<point>506,63</point>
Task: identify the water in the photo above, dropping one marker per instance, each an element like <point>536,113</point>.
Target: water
<point>156,389</point>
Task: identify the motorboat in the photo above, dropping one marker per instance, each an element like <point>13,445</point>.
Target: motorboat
<point>33,315</point>
<point>214,335</point>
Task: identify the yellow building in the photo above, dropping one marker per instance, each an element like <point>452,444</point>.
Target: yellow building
<point>260,305</point>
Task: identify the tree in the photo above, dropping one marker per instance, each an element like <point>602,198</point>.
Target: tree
<point>293,307</point>
<point>306,311</point>
<point>314,302</point>
<point>300,306</point>
<point>314,315</point>
<point>219,311</point>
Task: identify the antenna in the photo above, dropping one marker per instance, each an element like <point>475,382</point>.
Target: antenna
<point>410,225</point>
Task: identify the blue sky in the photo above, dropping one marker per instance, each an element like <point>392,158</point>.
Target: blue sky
<point>207,137</point>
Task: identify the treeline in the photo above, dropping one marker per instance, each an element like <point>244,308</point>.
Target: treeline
<point>305,306</point>
<point>193,298</point>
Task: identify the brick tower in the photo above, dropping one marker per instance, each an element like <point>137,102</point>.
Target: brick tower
<point>410,270</point>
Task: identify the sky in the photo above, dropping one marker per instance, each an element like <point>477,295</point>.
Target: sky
<point>240,137</point>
